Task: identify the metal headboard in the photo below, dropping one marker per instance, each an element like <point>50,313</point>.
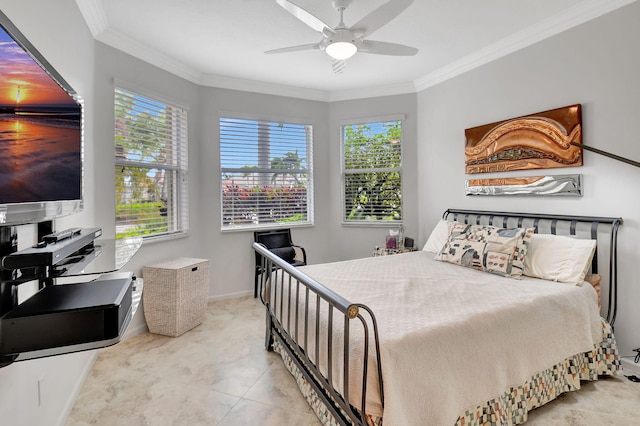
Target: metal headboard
<point>502,219</point>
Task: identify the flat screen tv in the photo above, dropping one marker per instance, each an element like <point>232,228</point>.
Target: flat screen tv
<point>41,120</point>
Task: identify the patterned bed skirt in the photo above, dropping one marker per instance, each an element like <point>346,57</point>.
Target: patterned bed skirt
<point>514,404</point>
<point>314,401</point>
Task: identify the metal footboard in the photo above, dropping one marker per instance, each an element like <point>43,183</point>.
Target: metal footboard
<point>313,323</point>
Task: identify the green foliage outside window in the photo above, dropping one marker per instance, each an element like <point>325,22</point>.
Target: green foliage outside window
<point>148,137</point>
<point>372,172</point>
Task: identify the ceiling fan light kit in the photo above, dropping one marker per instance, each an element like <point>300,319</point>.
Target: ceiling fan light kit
<point>342,42</point>
<point>341,50</point>
<point>341,45</point>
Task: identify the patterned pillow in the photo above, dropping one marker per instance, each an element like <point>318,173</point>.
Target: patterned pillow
<point>500,251</point>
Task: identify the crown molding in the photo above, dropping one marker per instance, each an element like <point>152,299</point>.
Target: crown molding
<point>255,86</point>
<point>583,12</point>
<point>93,15</point>
<point>572,17</point>
<point>262,87</point>
<point>372,92</point>
<point>145,53</point>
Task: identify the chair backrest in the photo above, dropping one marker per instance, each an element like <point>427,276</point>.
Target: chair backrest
<point>276,238</point>
<point>277,241</point>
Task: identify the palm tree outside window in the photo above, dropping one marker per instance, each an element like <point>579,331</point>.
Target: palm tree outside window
<point>266,173</point>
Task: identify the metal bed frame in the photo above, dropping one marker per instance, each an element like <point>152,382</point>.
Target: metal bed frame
<point>310,293</point>
<point>302,311</point>
<point>534,219</point>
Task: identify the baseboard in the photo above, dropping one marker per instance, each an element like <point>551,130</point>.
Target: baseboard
<point>141,327</point>
<point>630,367</point>
<point>134,331</point>
<point>78,386</point>
<point>231,296</point>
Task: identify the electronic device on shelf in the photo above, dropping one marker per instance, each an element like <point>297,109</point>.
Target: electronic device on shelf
<point>68,318</point>
<point>43,181</point>
<point>51,254</point>
<point>58,236</point>
<point>64,318</point>
<point>77,263</point>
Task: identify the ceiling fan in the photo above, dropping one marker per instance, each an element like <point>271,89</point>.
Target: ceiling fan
<point>342,42</point>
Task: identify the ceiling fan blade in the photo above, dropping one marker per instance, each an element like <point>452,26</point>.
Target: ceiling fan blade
<point>379,17</point>
<point>384,48</point>
<point>295,48</point>
<point>306,17</point>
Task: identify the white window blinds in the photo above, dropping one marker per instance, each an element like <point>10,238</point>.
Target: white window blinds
<point>151,166</point>
<point>266,173</point>
<point>372,172</point>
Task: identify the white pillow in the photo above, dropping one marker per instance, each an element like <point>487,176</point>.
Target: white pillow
<point>439,236</point>
<point>559,258</point>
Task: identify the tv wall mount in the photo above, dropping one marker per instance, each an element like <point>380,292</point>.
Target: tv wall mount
<point>64,318</point>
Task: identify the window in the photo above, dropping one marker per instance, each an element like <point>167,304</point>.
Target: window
<point>372,172</point>
<point>266,175</point>
<point>151,167</point>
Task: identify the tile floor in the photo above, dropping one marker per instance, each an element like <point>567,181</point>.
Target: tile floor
<point>220,374</point>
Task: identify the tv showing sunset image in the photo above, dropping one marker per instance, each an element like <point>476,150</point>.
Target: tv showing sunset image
<point>40,131</point>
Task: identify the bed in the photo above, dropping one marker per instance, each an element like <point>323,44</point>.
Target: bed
<point>451,334</point>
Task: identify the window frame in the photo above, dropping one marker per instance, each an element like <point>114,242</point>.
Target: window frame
<point>343,172</point>
<point>179,171</point>
<point>232,115</point>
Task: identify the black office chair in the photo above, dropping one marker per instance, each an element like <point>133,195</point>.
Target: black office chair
<point>278,241</point>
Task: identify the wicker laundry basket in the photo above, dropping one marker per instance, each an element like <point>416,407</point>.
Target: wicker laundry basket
<point>175,295</point>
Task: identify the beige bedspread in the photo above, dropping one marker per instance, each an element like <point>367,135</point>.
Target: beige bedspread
<point>453,337</point>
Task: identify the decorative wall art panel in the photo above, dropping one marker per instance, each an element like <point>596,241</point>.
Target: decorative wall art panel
<point>537,141</point>
<point>532,185</point>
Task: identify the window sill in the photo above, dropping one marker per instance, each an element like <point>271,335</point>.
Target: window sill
<point>364,224</point>
<point>164,238</point>
<point>264,227</point>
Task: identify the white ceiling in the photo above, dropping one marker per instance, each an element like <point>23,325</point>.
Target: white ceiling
<point>221,43</point>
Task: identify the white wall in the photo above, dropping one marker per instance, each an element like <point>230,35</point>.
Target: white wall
<point>595,64</point>
<point>232,260</point>
<point>58,31</point>
<point>114,68</point>
<point>356,241</point>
